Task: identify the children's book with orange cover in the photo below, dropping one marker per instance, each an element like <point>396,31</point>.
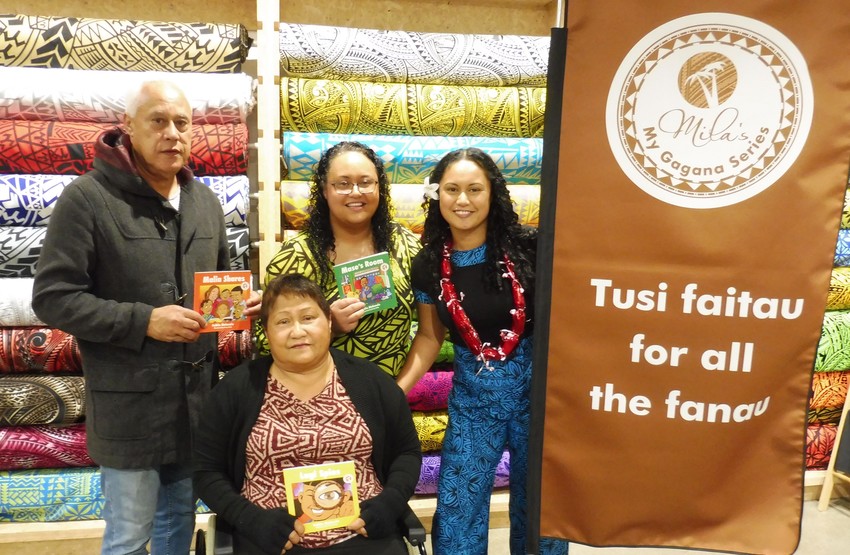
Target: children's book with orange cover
<point>322,496</point>
<point>220,298</point>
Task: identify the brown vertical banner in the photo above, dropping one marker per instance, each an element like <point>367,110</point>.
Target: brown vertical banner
<point>702,161</point>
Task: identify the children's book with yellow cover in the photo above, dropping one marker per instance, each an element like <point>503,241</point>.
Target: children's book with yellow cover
<point>220,298</point>
<point>322,496</point>
<point>369,279</point>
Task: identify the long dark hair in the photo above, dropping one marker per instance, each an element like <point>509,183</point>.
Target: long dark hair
<point>505,235</point>
<point>320,237</point>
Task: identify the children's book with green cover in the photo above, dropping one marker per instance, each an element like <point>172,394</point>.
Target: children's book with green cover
<point>322,496</point>
<point>369,279</point>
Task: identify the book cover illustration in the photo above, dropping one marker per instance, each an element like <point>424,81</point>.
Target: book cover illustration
<point>322,496</point>
<point>369,279</point>
<point>220,298</point>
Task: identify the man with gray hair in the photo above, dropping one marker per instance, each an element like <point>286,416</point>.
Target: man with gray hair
<point>116,271</point>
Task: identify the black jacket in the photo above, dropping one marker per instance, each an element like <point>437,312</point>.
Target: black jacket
<point>110,257</point>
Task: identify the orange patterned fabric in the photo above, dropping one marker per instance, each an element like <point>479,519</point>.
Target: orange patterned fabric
<point>829,389</point>
<point>407,201</point>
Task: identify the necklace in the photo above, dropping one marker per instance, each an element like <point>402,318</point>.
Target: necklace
<point>484,352</point>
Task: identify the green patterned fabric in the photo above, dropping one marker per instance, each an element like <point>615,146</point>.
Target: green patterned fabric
<point>834,346</point>
<point>447,351</point>
<point>382,337</point>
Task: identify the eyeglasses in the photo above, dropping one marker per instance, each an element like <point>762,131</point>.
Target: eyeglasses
<point>365,186</point>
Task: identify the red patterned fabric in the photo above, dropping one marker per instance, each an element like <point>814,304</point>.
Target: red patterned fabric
<point>432,391</point>
<point>43,447</point>
<point>234,347</point>
<point>37,350</point>
<point>67,148</point>
<point>290,432</point>
<point>820,438</point>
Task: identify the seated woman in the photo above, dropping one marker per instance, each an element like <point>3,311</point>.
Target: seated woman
<point>305,404</point>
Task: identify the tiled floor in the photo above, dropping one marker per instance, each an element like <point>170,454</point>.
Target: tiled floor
<point>824,533</point>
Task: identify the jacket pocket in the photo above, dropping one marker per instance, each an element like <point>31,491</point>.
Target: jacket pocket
<point>122,398</point>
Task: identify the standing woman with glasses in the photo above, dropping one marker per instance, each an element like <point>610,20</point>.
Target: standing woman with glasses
<point>351,217</point>
<point>475,278</point>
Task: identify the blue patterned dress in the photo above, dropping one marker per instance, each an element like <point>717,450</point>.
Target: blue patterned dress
<point>488,412</point>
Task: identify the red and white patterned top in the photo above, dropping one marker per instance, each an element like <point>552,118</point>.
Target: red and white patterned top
<point>290,432</point>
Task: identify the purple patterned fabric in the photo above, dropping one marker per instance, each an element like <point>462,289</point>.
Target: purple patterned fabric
<point>43,447</point>
<point>432,391</point>
<point>429,475</point>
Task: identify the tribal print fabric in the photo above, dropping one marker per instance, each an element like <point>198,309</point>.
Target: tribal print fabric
<point>833,352</point>
<point>30,350</point>
<point>838,296</point>
<point>67,148</point>
<point>28,199</point>
<point>99,96</point>
<point>410,159</point>
<point>820,439</point>
<point>322,52</point>
<point>429,475</point>
<point>16,303</point>
<point>407,204</point>
<point>33,400</point>
<point>122,45</point>
<point>332,106</point>
<point>20,248</point>
<point>43,447</point>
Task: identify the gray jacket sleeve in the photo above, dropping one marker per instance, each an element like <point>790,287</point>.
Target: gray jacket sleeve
<point>63,294</point>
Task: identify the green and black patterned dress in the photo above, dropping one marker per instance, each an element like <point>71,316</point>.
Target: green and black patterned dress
<point>382,337</point>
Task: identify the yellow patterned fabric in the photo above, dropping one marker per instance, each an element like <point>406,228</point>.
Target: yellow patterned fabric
<point>333,106</point>
<point>381,337</point>
<point>121,45</point>
<point>845,214</point>
<point>839,289</point>
<point>407,202</point>
<point>431,428</point>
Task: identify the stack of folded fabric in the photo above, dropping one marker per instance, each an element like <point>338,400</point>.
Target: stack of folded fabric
<point>62,83</point>
<point>413,97</point>
<point>832,363</point>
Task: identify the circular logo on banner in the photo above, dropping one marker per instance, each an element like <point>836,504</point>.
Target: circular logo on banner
<point>709,110</point>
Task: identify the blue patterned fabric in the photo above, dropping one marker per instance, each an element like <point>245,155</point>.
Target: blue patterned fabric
<point>409,159</point>
<point>842,248</point>
<point>488,410</point>
<point>28,199</point>
<point>53,495</point>
<point>459,259</point>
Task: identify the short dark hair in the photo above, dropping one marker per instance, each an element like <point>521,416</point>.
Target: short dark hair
<point>292,285</point>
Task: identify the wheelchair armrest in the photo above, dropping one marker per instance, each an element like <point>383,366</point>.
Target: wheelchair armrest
<point>412,528</point>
